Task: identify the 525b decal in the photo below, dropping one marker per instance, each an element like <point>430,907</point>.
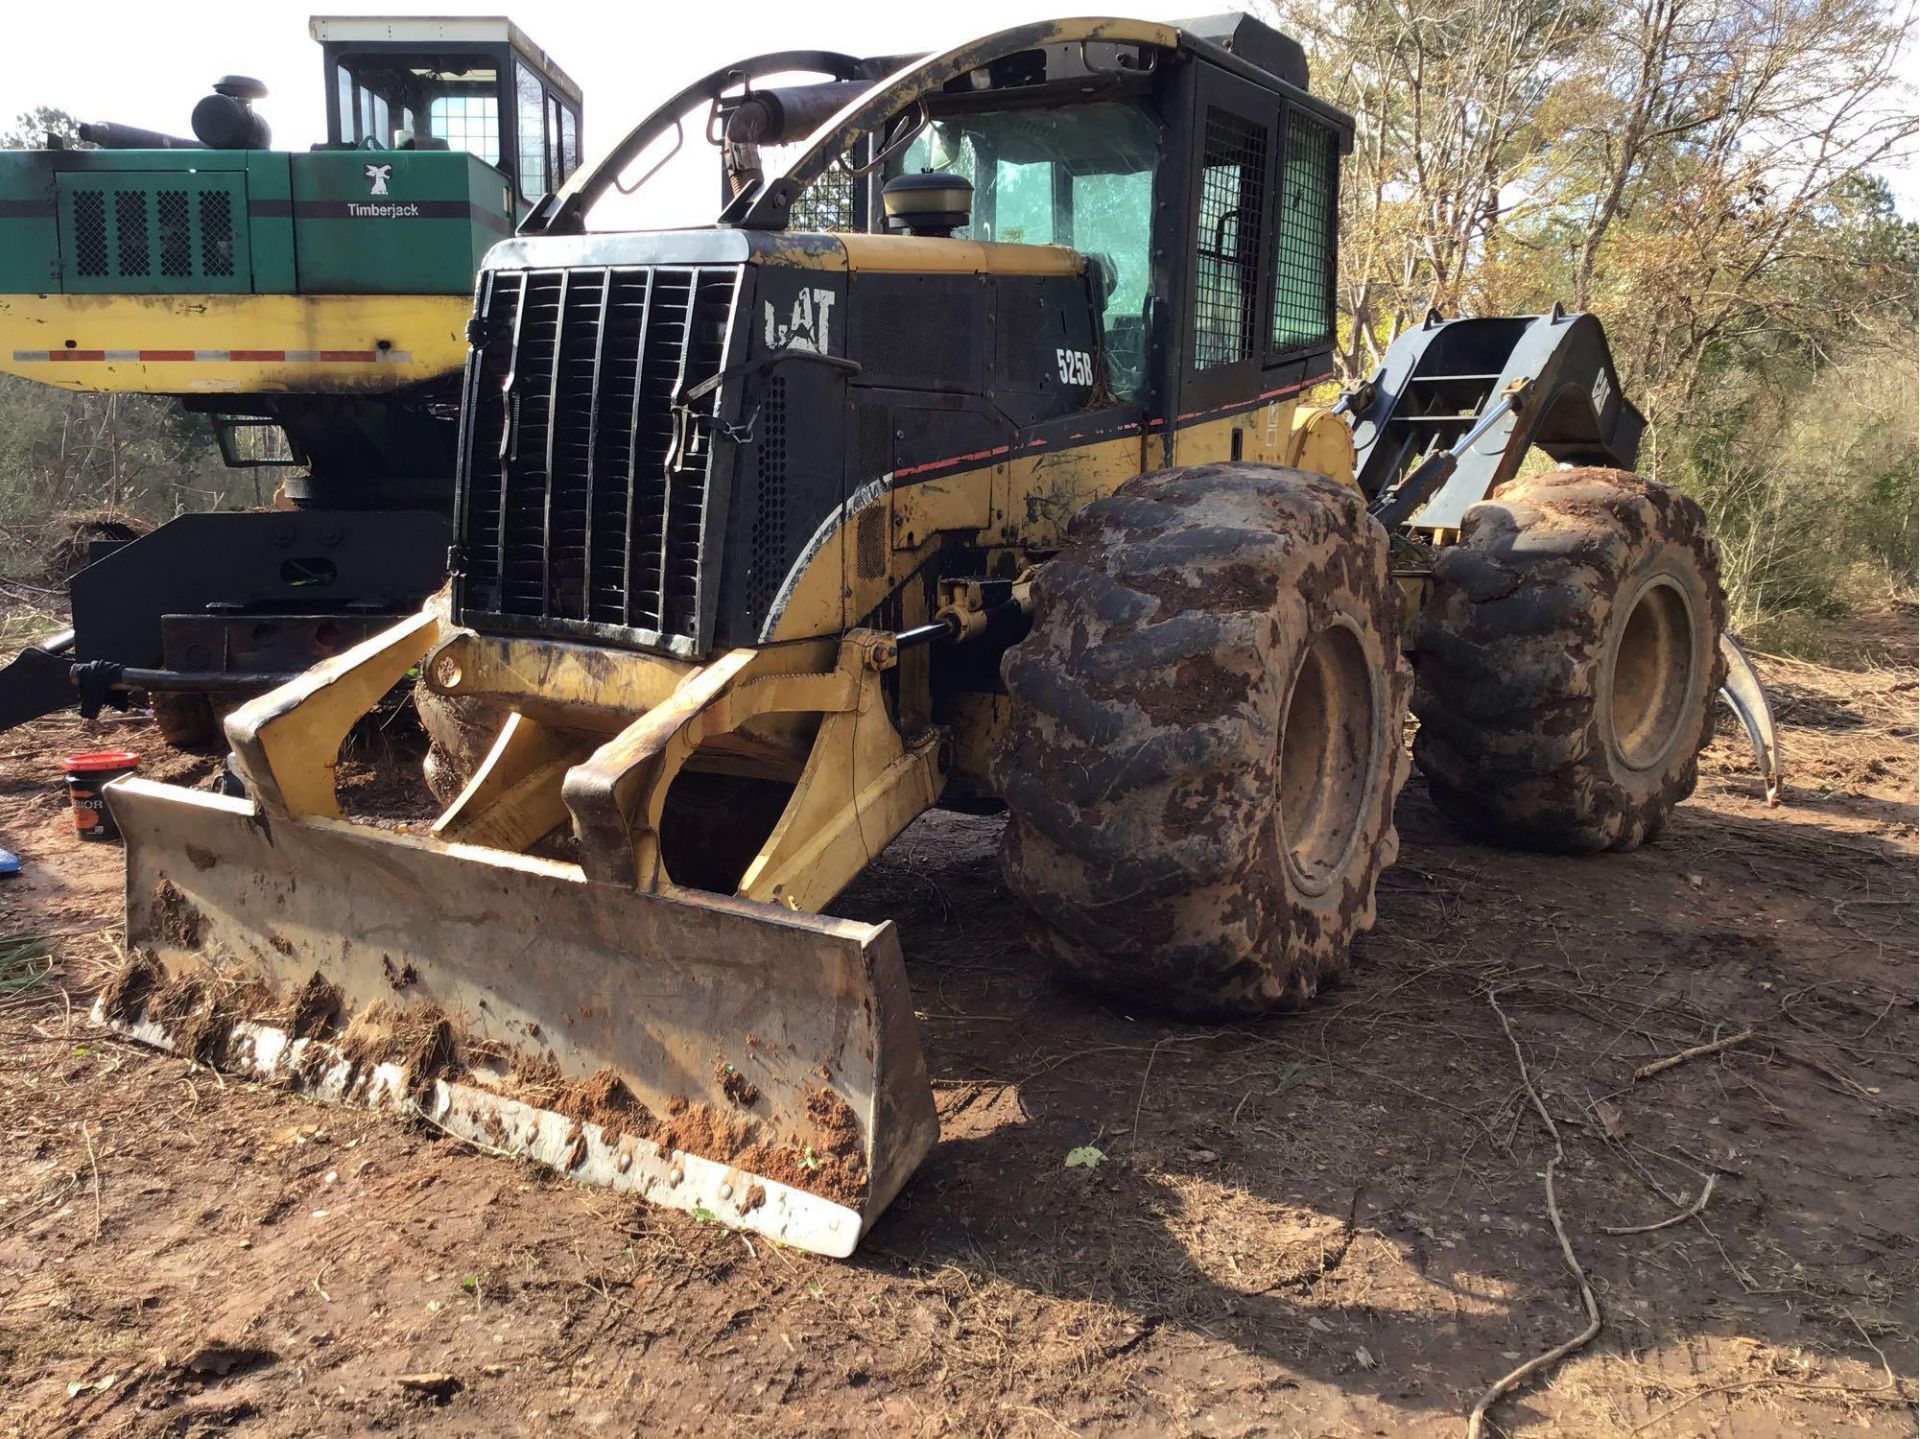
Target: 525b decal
<point>1076,367</point>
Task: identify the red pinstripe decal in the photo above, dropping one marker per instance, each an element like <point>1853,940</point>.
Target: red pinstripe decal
<point>1121,429</point>
<point>214,356</point>
<point>951,461</point>
<point>1264,395</point>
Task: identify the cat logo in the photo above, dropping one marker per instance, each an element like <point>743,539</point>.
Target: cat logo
<point>807,328</point>
<point>379,175</point>
<point>1602,389</point>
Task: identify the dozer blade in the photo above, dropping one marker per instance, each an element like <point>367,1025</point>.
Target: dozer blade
<point>743,1062</point>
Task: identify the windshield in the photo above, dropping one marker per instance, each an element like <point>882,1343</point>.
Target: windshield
<point>1080,176</point>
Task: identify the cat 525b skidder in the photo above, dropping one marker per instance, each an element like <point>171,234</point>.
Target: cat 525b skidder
<point>775,533</point>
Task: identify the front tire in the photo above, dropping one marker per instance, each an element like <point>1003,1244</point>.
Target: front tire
<point>460,733</point>
<point>1205,747</point>
<point>185,721</point>
<point>1567,660</point>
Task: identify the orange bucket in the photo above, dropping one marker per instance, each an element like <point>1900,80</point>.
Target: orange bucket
<point>87,774</point>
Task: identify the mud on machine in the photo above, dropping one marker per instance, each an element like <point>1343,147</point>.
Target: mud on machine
<point>969,459</point>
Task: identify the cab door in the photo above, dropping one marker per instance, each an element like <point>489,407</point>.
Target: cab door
<point>1222,340</point>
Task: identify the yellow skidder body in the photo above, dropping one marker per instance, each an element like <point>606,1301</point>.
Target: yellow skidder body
<point>773,535</point>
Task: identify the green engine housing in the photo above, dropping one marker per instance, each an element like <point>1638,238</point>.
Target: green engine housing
<point>264,222</point>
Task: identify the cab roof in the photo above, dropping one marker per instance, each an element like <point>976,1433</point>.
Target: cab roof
<point>426,31</point>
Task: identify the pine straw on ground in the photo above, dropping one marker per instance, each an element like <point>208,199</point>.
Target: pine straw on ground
<point>1331,1223</point>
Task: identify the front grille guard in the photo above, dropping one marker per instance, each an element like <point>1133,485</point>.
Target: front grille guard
<point>588,505</point>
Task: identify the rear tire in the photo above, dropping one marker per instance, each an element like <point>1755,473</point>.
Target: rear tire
<point>1567,660</point>
<point>1205,747</point>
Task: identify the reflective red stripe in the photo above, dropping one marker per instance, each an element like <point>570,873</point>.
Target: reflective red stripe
<point>955,460</point>
<point>212,356</point>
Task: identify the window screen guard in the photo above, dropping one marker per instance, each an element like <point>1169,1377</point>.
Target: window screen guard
<point>1233,183</point>
<point>1303,282</point>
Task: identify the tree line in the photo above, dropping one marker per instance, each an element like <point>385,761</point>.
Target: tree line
<point>1708,177</point>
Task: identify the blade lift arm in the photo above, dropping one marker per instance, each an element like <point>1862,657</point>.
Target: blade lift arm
<point>761,1057</point>
<point>860,783</point>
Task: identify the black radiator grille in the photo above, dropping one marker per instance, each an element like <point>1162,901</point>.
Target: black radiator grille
<point>586,466</point>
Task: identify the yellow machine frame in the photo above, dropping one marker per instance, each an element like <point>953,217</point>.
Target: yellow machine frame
<point>611,962</point>
<point>232,344</point>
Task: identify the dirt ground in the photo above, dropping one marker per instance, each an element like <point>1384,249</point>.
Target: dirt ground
<point>1328,1223</point>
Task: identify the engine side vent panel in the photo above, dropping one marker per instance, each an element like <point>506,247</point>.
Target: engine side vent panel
<point>870,543</point>
<point>919,332</point>
<point>216,232</point>
<point>770,509</point>
<point>90,232</point>
<point>176,234</point>
<point>135,232</point>
<point>130,231</point>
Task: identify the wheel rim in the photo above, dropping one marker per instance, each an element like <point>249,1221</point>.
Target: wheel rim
<point>1653,665</point>
<point>1328,751</point>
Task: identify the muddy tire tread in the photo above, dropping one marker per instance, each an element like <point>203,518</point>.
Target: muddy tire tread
<point>1138,767</point>
<point>1511,644</point>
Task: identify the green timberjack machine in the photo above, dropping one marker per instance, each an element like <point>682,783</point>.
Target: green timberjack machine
<point>323,294</point>
<point>965,462</point>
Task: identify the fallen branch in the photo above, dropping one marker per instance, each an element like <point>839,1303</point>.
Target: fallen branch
<point>1476,1420</point>
<point>1304,1278</point>
<point>94,1164</point>
<point>1696,1207</point>
<point>1699,1051</point>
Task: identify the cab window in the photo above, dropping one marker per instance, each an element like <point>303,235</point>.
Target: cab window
<point>1303,291</point>
<point>549,134</point>
<point>467,122</point>
<point>1080,177</point>
<point>420,103</point>
<point>530,106</point>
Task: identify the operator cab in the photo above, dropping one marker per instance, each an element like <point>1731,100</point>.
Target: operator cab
<point>1189,166</point>
<point>474,84</point>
